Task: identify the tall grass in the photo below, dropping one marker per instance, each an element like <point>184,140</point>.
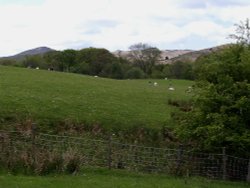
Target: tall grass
<point>30,160</point>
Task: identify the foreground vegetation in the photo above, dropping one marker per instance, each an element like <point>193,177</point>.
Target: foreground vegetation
<point>220,113</point>
<point>115,178</point>
<point>52,98</point>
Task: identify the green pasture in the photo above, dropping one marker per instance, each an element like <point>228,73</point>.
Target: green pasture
<point>47,98</point>
<point>109,179</point>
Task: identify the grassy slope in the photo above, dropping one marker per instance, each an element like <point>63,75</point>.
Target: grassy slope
<point>109,179</point>
<point>47,97</point>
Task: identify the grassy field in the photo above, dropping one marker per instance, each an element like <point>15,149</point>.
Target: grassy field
<point>114,178</point>
<point>49,97</point>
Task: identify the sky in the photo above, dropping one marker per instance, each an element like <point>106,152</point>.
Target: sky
<point>118,24</point>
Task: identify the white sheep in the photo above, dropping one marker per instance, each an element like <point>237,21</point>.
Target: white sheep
<point>189,89</point>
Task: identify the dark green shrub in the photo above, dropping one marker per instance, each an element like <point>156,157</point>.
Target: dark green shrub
<point>135,73</point>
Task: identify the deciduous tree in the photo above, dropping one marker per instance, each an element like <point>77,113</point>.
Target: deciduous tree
<point>144,56</point>
<point>220,115</point>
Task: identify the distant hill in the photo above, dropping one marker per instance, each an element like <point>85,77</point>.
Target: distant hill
<point>165,54</point>
<point>35,51</point>
<point>193,55</point>
<point>170,56</point>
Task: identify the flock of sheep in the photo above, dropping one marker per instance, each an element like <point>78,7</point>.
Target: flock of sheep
<point>170,88</point>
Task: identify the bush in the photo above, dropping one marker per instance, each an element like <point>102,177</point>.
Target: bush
<point>82,68</point>
<point>135,73</point>
<point>157,74</point>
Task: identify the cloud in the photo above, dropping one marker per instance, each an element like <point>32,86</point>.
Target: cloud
<point>117,24</point>
<point>96,26</point>
<point>226,3</point>
<point>203,4</point>
<point>23,2</point>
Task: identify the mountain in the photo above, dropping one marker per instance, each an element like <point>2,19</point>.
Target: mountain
<point>35,51</point>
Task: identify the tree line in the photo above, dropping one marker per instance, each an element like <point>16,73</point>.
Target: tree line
<point>141,63</point>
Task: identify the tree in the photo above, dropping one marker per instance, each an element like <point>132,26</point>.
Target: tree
<point>81,68</point>
<point>113,70</point>
<point>96,58</point>
<point>34,61</point>
<point>135,73</point>
<point>68,59</point>
<point>53,61</point>
<point>220,115</point>
<point>181,70</point>
<point>144,56</point>
<point>9,62</point>
<point>242,33</point>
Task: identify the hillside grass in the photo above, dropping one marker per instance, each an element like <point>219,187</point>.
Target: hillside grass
<point>107,179</point>
<point>48,98</point>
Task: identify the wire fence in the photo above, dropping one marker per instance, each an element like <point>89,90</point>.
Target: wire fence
<point>42,150</point>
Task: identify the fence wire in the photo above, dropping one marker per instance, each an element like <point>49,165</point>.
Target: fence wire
<point>112,154</point>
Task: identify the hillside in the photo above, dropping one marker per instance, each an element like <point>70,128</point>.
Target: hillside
<point>165,54</point>
<point>35,51</point>
<point>170,56</point>
<point>193,55</point>
<point>49,97</point>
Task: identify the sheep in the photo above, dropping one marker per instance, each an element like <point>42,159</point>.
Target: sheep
<point>170,87</point>
<point>155,84</point>
<point>189,89</point>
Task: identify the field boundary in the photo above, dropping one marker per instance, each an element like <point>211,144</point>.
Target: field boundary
<point>33,149</point>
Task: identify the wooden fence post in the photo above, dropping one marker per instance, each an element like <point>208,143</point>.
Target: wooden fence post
<point>179,159</point>
<point>110,152</point>
<point>224,164</point>
<point>33,134</point>
<point>33,141</point>
<point>248,172</point>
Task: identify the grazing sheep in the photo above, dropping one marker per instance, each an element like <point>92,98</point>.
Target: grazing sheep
<point>37,68</point>
<point>189,89</point>
<point>170,87</point>
<point>155,84</point>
